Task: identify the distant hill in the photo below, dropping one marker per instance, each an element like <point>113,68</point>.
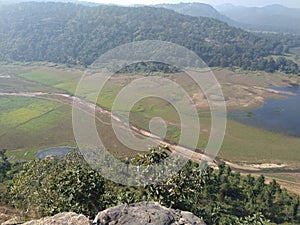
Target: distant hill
<point>197,9</point>
<point>19,1</point>
<point>77,34</point>
<point>273,18</point>
<point>9,2</point>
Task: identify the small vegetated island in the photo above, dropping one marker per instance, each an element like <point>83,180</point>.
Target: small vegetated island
<point>45,48</point>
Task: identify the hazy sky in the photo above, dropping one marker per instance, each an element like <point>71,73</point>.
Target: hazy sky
<point>289,3</point>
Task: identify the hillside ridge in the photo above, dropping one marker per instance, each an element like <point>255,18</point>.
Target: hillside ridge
<point>75,34</point>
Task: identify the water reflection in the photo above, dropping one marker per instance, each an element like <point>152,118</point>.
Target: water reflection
<point>279,115</point>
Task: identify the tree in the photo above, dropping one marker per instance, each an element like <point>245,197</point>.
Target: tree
<point>218,196</point>
<point>76,34</point>
<point>49,186</point>
<point>5,165</point>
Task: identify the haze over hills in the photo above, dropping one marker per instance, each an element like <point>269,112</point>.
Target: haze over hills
<point>19,1</point>
<point>272,18</point>
<point>198,9</point>
<point>88,3</point>
<point>269,18</point>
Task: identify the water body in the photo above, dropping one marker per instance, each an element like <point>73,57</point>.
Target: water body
<point>56,151</point>
<point>278,115</point>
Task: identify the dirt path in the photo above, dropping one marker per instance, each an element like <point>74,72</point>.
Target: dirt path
<point>90,108</point>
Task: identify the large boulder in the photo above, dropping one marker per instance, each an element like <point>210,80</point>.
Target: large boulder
<point>145,213</point>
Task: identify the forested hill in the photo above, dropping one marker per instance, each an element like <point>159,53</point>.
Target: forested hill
<point>199,9</point>
<point>76,34</point>
<point>274,18</point>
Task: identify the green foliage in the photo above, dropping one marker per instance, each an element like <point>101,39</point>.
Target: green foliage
<point>271,65</point>
<point>55,185</point>
<point>76,34</point>
<point>217,196</point>
<point>148,68</point>
<point>255,219</point>
<point>5,166</point>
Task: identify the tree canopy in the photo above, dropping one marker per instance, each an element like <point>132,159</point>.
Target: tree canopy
<point>219,196</point>
<point>76,34</point>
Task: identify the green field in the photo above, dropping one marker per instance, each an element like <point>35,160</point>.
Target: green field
<point>48,123</point>
<point>65,80</point>
<point>28,123</point>
<point>248,144</point>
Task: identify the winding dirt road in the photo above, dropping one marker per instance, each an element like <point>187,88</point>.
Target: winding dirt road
<point>94,109</point>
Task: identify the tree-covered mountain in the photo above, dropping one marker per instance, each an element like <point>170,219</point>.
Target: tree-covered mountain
<point>269,18</point>
<point>76,34</point>
<point>272,18</point>
<point>198,9</point>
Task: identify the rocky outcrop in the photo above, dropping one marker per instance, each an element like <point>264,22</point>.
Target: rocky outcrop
<point>145,213</point>
<point>11,221</point>
<point>69,218</point>
<point>63,219</point>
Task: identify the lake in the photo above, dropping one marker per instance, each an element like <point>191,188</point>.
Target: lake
<point>278,115</point>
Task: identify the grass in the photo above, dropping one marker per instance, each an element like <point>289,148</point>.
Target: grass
<point>285,177</point>
<point>65,80</point>
<point>33,109</point>
<point>242,143</point>
<point>28,125</point>
<point>32,123</point>
<point>249,144</point>
<point>150,108</point>
<point>14,84</point>
<point>22,154</point>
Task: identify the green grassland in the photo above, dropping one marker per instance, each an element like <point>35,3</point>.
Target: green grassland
<point>242,143</point>
<point>65,80</point>
<point>248,144</point>
<point>33,123</point>
<point>20,110</point>
<point>12,80</point>
<point>15,84</point>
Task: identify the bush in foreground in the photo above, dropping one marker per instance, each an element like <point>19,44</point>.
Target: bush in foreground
<point>52,185</point>
<point>218,196</point>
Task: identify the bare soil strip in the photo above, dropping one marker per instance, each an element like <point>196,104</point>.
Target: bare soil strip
<point>92,108</point>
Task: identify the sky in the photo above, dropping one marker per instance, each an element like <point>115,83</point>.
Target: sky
<point>258,3</point>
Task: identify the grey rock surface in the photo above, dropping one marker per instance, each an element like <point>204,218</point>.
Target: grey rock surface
<point>67,218</point>
<point>11,221</point>
<point>145,213</point>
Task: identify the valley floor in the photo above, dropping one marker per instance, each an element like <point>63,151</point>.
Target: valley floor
<point>39,99</point>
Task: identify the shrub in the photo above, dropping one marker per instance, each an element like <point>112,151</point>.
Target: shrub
<point>49,186</point>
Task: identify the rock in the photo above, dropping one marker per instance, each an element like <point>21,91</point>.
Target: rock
<point>11,221</point>
<point>145,213</point>
<point>9,215</point>
<point>69,218</point>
